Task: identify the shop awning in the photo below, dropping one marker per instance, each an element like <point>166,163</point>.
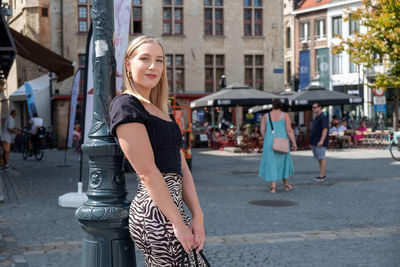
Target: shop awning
<point>38,84</point>
<point>38,54</point>
<point>7,48</point>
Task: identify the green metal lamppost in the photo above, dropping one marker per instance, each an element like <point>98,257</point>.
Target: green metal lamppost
<point>104,217</point>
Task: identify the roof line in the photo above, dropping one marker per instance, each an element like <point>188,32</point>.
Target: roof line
<point>302,11</point>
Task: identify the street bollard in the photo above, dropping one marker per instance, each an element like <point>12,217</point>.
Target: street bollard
<point>104,217</point>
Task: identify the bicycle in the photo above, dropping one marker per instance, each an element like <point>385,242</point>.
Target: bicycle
<point>394,145</point>
<point>37,144</point>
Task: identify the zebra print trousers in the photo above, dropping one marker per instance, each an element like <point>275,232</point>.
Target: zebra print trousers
<point>151,230</point>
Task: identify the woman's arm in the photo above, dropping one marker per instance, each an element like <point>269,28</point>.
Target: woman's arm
<point>135,144</point>
<point>262,125</point>
<point>192,202</point>
<point>289,130</point>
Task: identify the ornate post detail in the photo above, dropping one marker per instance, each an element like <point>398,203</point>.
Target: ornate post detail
<point>104,217</point>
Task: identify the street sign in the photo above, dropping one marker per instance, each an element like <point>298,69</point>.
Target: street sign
<point>380,108</point>
<point>379,100</point>
<point>278,70</point>
<point>379,91</point>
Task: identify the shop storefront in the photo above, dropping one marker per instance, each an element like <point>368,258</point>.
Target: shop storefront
<point>352,113</point>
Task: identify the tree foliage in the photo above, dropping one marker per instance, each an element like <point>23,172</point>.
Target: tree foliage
<point>381,41</point>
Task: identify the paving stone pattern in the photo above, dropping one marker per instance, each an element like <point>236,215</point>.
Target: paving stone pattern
<point>352,219</point>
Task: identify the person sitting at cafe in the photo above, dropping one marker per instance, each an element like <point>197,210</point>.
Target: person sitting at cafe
<point>360,132</point>
<point>334,127</point>
<point>343,133</point>
<point>295,130</point>
<point>219,139</point>
<point>255,138</point>
<point>343,126</point>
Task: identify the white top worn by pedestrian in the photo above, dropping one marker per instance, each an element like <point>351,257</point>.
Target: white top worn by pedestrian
<point>35,123</point>
<point>6,135</point>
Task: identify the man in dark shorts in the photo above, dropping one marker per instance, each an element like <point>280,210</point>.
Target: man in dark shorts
<point>318,139</point>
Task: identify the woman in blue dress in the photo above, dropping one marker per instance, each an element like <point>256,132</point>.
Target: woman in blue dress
<point>274,165</point>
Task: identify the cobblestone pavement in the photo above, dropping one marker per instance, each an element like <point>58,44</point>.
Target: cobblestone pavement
<point>352,219</point>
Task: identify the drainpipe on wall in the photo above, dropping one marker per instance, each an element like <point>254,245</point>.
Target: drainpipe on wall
<point>62,27</point>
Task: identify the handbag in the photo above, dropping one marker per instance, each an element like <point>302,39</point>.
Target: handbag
<point>186,256</point>
<point>279,144</point>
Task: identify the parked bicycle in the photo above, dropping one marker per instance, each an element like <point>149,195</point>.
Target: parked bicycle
<point>37,142</point>
<point>50,138</point>
<point>394,145</point>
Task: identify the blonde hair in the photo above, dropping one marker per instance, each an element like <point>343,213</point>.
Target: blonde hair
<point>158,94</point>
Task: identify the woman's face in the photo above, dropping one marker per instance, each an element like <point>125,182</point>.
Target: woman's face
<point>146,66</point>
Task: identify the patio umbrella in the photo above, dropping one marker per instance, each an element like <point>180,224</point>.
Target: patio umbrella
<point>256,109</point>
<point>235,95</point>
<point>283,96</point>
<point>312,94</point>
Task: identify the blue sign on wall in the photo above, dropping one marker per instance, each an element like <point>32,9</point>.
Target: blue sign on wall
<point>304,79</point>
<point>278,70</point>
<point>380,108</point>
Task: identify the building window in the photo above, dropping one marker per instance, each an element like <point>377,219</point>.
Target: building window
<point>354,25</point>
<point>337,64</point>
<point>175,73</point>
<point>254,71</point>
<point>213,17</point>
<point>304,31</point>
<point>136,17</point>
<point>253,13</point>
<point>214,69</point>
<point>45,12</point>
<point>336,26</point>
<point>288,37</point>
<point>288,72</point>
<point>172,17</point>
<point>320,29</point>
<point>353,67</point>
<point>84,18</point>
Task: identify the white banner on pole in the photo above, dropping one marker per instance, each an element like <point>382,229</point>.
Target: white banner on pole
<point>72,106</point>
<point>89,93</point>
<point>122,11</point>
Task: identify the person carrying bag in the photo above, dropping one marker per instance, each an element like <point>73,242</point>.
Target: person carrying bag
<point>276,162</point>
<point>279,144</point>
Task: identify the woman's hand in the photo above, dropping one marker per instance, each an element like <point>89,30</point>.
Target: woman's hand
<point>294,147</point>
<point>184,235</point>
<point>197,228</point>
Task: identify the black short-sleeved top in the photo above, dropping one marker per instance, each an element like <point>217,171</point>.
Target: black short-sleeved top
<point>318,124</point>
<point>165,136</point>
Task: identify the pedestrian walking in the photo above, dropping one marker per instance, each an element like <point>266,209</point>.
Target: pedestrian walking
<point>276,165</point>
<point>152,141</point>
<point>7,131</point>
<point>319,140</point>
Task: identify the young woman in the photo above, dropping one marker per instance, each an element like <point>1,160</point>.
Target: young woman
<point>151,140</point>
<point>275,166</point>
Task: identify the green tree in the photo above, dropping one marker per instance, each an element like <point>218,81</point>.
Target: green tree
<point>380,44</point>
